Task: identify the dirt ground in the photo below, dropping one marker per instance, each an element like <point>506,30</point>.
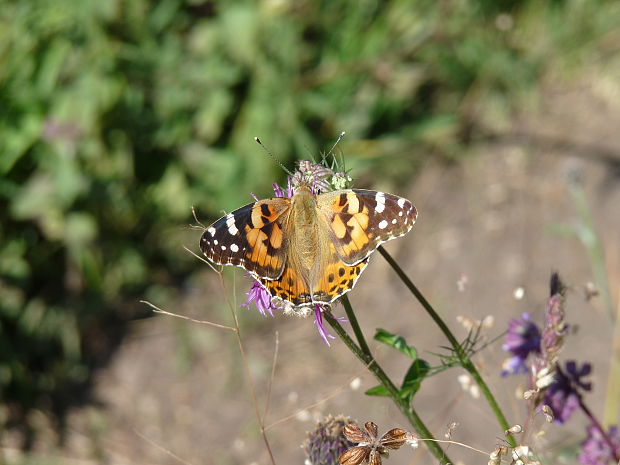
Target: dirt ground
<point>176,393</point>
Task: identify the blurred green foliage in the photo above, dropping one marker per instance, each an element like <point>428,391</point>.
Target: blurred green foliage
<point>117,116</point>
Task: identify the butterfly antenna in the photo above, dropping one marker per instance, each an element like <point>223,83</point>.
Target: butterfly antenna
<point>286,170</point>
<point>334,146</point>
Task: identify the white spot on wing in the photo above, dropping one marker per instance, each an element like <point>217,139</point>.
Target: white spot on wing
<point>383,224</point>
<point>223,247</point>
<point>230,222</point>
<point>380,198</point>
<point>401,202</point>
<point>234,247</point>
<point>211,231</point>
<point>394,221</point>
<point>215,242</point>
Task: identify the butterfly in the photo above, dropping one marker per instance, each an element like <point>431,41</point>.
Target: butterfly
<point>309,248</point>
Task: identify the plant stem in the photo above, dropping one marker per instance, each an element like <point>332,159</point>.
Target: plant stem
<point>385,381</point>
<point>466,362</point>
<point>355,325</point>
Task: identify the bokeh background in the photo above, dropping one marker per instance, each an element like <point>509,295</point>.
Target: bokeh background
<point>499,119</point>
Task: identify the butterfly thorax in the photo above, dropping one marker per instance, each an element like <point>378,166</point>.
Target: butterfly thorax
<point>307,247</point>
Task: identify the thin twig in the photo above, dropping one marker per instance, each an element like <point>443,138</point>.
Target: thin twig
<point>248,375</point>
<point>163,449</point>
<point>449,441</point>
<point>202,259</point>
<point>273,372</point>
<point>156,309</point>
<point>311,406</point>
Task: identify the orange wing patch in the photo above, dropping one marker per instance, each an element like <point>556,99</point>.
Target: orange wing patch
<point>337,278</point>
<point>290,287</point>
<point>359,221</point>
<point>252,237</point>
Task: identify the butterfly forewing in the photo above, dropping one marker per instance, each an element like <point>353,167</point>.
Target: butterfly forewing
<point>252,237</point>
<point>360,220</point>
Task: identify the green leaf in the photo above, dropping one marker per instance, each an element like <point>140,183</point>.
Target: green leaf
<point>413,379</point>
<point>396,342</point>
<point>379,391</point>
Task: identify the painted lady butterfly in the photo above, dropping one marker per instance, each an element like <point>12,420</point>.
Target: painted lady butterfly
<point>308,249</point>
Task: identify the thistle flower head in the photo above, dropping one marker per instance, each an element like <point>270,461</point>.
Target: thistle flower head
<point>320,177</point>
<point>326,443</point>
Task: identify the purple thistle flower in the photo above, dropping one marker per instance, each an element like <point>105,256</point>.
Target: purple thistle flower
<point>597,450</point>
<point>522,338</point>
<point>315,174</point>
<point>327,442</point>
<point>259,295</point>
<point>318,321</point>
<point>279,192</point>
<point>563,395</point>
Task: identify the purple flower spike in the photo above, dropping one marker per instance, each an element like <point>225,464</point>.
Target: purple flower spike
<point>596,450</point>
<point>261,297</point>
<point>563,395</point>
<point>522,338</point>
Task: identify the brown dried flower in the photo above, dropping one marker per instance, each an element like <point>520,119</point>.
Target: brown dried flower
<point>370,448</point>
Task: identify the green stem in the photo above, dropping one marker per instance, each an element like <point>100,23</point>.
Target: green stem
<point>385,381</point>
<point>355,325</point>
<point>458,349</point>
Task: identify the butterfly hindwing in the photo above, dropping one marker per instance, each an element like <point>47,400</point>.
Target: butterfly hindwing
<point>252,237</point>
<point>337,278</point>
<point>289,287</point>
<point>360,220</point>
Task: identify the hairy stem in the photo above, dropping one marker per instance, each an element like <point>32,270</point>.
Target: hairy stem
<point>465,361</point>
<point>409,412</point>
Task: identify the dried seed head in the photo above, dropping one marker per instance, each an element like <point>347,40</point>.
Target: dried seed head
<point>370,448</point>
<point>546,410</point>
<point>394,438</point>
<point>372,429</point>
<point>516,429</point>
<point>354,456</point>
<point>495,457</point>
<point>451,427</point>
